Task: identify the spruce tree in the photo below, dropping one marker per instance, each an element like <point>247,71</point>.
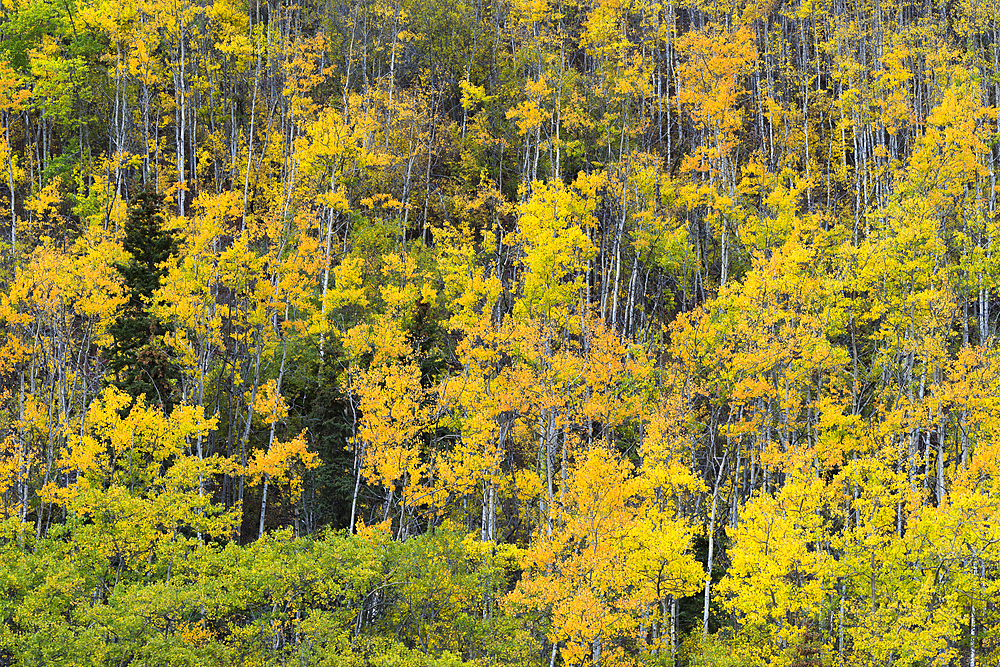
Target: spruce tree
<point>138,358</point>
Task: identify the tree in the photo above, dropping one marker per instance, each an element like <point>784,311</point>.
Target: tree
<point>138,357</point>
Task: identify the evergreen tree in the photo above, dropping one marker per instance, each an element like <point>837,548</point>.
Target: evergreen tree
<point>138,360</point>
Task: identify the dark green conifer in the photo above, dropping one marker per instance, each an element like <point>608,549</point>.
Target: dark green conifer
<point>138,358</point>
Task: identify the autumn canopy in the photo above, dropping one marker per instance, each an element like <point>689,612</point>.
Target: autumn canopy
<point>475,333</point>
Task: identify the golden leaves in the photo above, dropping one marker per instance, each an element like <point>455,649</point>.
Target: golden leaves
<point>610,561</point>
<point>715,62</point>
<point>555,247</point>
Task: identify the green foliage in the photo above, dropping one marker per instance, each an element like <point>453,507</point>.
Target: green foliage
<point>277,600</point>
<point>27,25</point>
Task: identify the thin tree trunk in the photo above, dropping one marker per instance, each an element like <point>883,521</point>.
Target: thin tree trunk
<point>711,546</point>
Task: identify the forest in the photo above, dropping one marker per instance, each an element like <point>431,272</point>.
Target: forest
<point>475,333</point>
